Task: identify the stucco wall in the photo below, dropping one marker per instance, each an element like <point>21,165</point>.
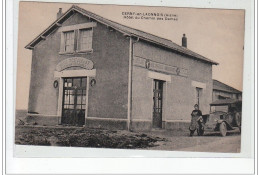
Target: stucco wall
<point>142,95</point>
<point>108,98</point>
<point>179,94</point>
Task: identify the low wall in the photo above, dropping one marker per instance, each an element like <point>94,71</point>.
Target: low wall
<point>167,125</point>
<point>177,125</point>
<point>105,123</point>
<point>141,125</point>
<point>38,119</point>
<point>117,124</point>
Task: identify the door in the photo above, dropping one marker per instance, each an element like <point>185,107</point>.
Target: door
<point>157,103</point>
<point>74,101</point>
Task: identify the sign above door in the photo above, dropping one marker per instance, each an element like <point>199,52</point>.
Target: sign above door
<point>75,62</point>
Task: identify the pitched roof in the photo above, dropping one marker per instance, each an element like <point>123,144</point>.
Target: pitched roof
<point>217,85</point>
<point>121,28</point>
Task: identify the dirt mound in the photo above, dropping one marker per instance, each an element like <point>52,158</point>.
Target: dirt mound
<point>83,137</point>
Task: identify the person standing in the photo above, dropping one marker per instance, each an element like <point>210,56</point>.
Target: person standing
<point>195,116</point>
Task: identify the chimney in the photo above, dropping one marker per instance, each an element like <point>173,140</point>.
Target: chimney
<point>59,14</point>
<point>184,41</point>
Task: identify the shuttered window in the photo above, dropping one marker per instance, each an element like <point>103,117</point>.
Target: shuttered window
<point>69,41</point>
<point>78,40</point>
<point>85,39</point>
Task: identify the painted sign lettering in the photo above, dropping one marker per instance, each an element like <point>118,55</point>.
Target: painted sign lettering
<point>141,62</point>
<point>75,62</point>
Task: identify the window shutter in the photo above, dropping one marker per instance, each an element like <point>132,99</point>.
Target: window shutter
<point>78,40</point>
<point>62,44</point>
<point>90,38</point>
<point>75,39</point>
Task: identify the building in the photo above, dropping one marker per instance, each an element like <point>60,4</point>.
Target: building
<point>88,70</point>
<point>223,91</point>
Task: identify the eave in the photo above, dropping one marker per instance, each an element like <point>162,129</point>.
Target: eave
<point>118,27</point>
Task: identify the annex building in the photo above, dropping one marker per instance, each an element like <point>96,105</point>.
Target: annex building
<point>224,91</point>
<point>90,71</point>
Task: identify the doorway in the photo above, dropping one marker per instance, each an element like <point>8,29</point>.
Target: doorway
<point>157,103</point>
<point>74,101</point>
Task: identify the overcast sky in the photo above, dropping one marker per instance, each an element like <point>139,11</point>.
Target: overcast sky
<point>215,34</point>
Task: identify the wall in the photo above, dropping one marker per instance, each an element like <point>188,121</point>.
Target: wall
<point>108,98</point>
<point>216,94</point>
<point>180,95</point>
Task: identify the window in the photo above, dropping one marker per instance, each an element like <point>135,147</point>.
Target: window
<point>85,39</point>
<point>77,40</point>
<point>198,95</point>
<point>69,41</point>
<point>223,97</point>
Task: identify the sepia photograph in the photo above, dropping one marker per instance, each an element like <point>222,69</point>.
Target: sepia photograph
<point>129,77</point>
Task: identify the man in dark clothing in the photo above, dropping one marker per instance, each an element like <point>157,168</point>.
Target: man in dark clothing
<point>195,116</point>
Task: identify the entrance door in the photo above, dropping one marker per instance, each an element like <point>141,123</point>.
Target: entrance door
<point>74,101</point>
<point>157,103</point>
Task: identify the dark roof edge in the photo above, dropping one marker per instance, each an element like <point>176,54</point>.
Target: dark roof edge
<point>226,91</point>
<point>221,102</point>
<point>226,85</point>
<point>177,50</point>
<point>29,46</point>
<point>80,10</point>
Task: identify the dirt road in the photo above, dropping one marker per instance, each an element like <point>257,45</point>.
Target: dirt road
<point>153,140</point>
<point>210,142</point>
<point>229,144</point>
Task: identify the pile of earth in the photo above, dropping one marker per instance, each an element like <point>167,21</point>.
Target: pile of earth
<point>83,137</point>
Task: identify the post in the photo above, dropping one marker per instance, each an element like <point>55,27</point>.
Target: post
<point>129,106</point>
<point>87,89</point>
<point>59,111</point>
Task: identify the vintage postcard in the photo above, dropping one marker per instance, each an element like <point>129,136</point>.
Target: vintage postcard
<point>129,77</point>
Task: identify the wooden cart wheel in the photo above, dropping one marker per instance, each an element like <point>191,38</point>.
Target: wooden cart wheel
<point>223,129</point>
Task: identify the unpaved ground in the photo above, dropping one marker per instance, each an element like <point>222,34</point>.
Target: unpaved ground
<point>210,142</point>
<point>82,137</point>
<point>153,140</point>
<point>230,144</point>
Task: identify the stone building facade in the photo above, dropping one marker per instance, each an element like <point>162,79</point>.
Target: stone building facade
<point>93,72</point>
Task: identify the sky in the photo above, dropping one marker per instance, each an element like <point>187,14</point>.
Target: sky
<point>214,33</point>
